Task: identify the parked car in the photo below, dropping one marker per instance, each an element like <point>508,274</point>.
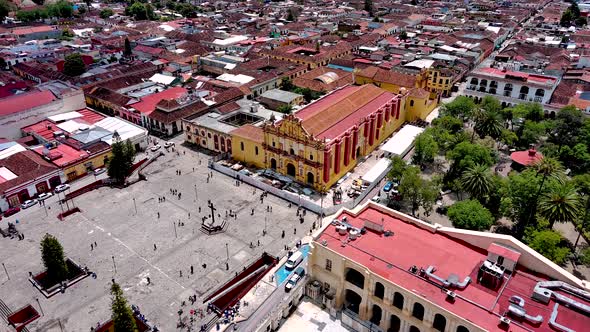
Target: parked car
<point>44,196</point>
<point>61,187</point>
<point>11,211</point>
<point>292,282</point>
<point>388,186</point>
<point>294,260</point>
<point>99,171</point>
<point>169,144</point>
<point>376,199</point>
<point>28,203</point>
<point>156,147</point>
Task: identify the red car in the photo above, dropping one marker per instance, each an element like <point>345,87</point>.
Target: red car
<point>11,211</point>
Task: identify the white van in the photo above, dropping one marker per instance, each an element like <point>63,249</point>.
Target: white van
<point>294,260</point>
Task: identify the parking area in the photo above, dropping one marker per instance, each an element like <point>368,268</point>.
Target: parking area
<point>146,231</point>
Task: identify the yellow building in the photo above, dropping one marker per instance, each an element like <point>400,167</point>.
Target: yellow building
<point>440,80</point>
<point>419,103</point>
<point>323,141</point>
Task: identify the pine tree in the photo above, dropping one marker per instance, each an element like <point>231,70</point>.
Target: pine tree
<point>121,314</point>
<point>127,52</point>
<point>52,254</point>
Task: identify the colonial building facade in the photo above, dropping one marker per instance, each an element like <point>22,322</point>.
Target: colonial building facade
<point>323,141</point>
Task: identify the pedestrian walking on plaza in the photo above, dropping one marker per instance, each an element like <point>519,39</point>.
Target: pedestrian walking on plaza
<point>294,230</point>
<point>180,273</point>
<point>149,281</point>
<point>259,243</point>
<point>91,247</point>
<point>158,215</point>
<point>283,234</point>
<point>95,245</point>
<point>155,248</point>
<point>192,271</point>
<point>189,215</point>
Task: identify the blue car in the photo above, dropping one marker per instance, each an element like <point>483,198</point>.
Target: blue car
<point>388,186</point>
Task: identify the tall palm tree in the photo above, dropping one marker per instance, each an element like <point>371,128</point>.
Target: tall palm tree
<point>546,168</point>
<point>477,181</point>
<point>488,123</point>
<point>561,204</point>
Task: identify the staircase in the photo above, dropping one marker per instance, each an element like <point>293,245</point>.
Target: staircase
<point>5,312</point>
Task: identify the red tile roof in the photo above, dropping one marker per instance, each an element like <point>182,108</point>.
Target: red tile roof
<point>148,103</point>
<point>25,101</point>
<point>390,258</point>
<point>526,158</point>
<point>335,113</point>
<point>250,132</point>
<point>28,166</point>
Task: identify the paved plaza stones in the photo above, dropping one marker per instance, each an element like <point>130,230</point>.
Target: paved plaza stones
<point>125,244</point>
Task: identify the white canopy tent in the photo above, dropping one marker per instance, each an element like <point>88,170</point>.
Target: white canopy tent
<point>374,173</point>
<point>401,143</point>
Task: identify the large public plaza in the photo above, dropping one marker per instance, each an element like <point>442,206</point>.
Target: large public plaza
<point>133,243</point>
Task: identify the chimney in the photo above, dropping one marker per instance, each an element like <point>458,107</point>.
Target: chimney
<point>254,107</point>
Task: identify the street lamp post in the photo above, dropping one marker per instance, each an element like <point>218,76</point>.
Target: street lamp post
<point>5,270</point>
<point>134,205</point>
<point>175,233</point>
<point>227,250</point>
<point>41,308</point>
<point>114,264</point>
<point>196,195</point>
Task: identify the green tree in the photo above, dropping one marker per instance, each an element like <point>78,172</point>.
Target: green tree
<point>287,84</point>
<point>582,183</point>
<point>285,109</point>
<point>549,244</point>
<point>566,18</point>
<point>491,104</point>
<point>417,191</point>
<point>460,107</point>
<point>530,133</point>
<point>581,21</point>
<point>106,13</point>
<point>561,204</point>
<point>488,123</point>
<point>52,254</point>
<point>450,123</point>
<point>121,160</point>
<point>508,138</point>
<point>291,16</point>
<point>127,51</point>
<point>74,65</point>
<point>140,11</point>
<point>568,125</point>
<point>425,149</point>
<point>470,214</point>
<point>5,8</point>
<point>478,182</point>
<point>398,167</point>
<point>465,155</point>
<point>121,314</point>
<point>369,7</point>
<point>403,35</point>
<point>81,10</point>
<point>547,168</point>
